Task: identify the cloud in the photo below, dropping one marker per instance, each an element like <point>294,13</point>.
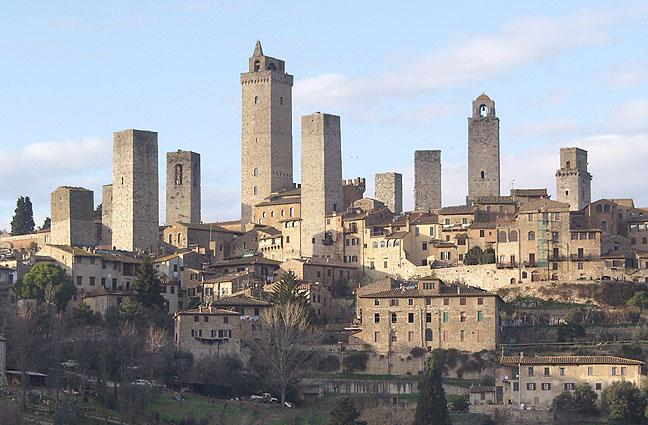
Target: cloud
<point>484,56</point>
<point>549,128</point>
<point>627,76</point>
<point>632,115</point>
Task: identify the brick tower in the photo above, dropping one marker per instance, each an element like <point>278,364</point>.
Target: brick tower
<point>135,201</point>
<point>427,180</point>
<point>266,142</point>
<point>321,183</point>
<point>483,149</point>
<point>183,187</point>
<point>573,181</point>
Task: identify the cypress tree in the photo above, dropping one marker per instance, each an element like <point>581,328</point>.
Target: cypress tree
<point>432,407</point>
<point>344,413</point>
<point>23,219</point>
<point>147,285</point>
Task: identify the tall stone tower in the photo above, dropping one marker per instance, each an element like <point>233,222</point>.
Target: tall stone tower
<point>483,149</point>
<point>106,215</point>
<point>389,189</point>
<point>427,180</point>
<point>183,187</point>
<point>573,181</point>
<point>73,217</point>
<point>135,191</point>
<point>266,142</point>
<point>321,182</point>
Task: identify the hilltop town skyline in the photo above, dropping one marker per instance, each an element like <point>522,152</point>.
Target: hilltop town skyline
<point>537,115</point>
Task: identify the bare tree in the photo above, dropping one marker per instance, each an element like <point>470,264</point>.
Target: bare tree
<point>289,344</point>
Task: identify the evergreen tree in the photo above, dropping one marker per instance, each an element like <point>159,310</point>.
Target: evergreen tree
<point>47,282</point>
<point>624,404</point>
<point>473,256</point>
<point>344,413</point>
<point>488,257</point>
<point>432,407</point>
<point>98,212</point>
<point>287,291</point>
<point>147,285</point>
<point>23,219</point>
<point>47,224</point>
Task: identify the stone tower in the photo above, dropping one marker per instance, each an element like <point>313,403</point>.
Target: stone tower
<point>135,191</point>
<point>73,217</point>
<point>389,189</point>
<point>106,215</point>
<point>321,182</point>
<point>483,149</point>
<point>266,142</point>
<point>573,181</point>
<point>183,187</point>
<point>427,180</point>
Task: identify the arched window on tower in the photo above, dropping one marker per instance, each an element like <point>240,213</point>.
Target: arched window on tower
<point>256,99</point>
<point>257,66</point>
<point>255,190</point>
<point>255,172</point>
<point>531,236</point>
<point>483,110</point>
<point>482,174</point>
<point>604,225</point>
<point>178,174</point>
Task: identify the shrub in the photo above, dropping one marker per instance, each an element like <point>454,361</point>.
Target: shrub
<point>473,256</point>
<point>639,299</point>
<point>328,363</point>
<point>418,352</point>
<point>355,361</point>
<point>459,403</point>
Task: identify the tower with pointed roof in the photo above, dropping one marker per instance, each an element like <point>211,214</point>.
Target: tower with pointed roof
<point>483,149</point>
<point>266,138</point>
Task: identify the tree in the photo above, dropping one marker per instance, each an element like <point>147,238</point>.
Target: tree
<point>344,413</point>
<point>98,212</point>
<point>289,344</point>
<point>23,219</point>
<point>47,224</point>
<point>488,257</point>
<point>287,291</point>
<point>570,331</point>
<point>147,285</point>
<point>432,407</point>
<point>48,283</point>
<point>624,404</point>
<point>639,299</point>
<point>473,256</point>
<point>582,401</point>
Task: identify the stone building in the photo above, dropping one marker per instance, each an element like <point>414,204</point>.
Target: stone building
<point>266,142</point>
<point>427,180</point>
<point>207,331</point>
<point>534,381</point>
<point>573,181</point>
<point>72,210</point>
<point>106,215</point>
<point>483,149</point>
<point>183,187</point>
<point>429,314</point>
<point>135,202</point>
<point>389,189</point>
<point>208,238</point>
<point>321,190</point>
<point>277,207</point>
<point>352,191</point>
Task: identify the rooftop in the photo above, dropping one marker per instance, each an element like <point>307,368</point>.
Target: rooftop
<point>458,209</point>
<point>446,290</point>
<point>240,300</point>
<point>567,360</point>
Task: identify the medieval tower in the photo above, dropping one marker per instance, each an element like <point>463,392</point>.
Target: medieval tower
<point>183,187</point>
<point>73,217</point>
<point>321,182</point>
<point>427,180</point>
<point>389,189</point>
<point>573,181</point>
<point>483,149</point>
<point>266,142</point>
<point>135,191</point>
<point>106,215</point>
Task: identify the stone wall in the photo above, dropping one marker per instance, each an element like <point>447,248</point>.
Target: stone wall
<point>106,215</point>
<point>389,189</point>
<point>72,210</point>
<point>427,180</point>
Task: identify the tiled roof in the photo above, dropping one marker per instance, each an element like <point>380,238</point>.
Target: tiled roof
<point>205,226</point>
<point>482,225</point>
<point>528,192</point>
<point>239,261</point>
<point>479,388</point>
<point>494,200</point>
<point>447,290</point>
<point>242,300</point>
<point>576,360</point>
<point>459,209</point>
<point>209,311</point>
<point>396,235</point>
<point>543,205</point>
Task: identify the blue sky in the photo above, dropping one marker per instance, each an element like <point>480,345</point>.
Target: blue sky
<point>402,78</point>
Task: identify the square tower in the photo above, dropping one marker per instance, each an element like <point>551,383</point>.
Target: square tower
<point>389,189</point>
<point>73,217</point>
<point>483,149</point>
<point>321,185</point>
<point>183,187</point>
<point>573,181</point>
<point>135,191</point>
<point>427,180</point>
<point>266,137</point>
<point>106,215</point>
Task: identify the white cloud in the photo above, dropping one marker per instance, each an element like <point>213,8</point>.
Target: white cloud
<point>632,115</point>
<point>627,76</point>
<point>484,56</point>
<point>549,128</point>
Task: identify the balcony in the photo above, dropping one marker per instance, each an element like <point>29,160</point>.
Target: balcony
<point>530,264</point>
<point>557,258</point>
<point>576,257</point>
<point>507,265</point>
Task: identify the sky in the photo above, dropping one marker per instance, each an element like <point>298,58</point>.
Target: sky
<point>401,78</point>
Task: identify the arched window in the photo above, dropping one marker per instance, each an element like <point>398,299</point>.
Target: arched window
<point>513,236</point>
<point>179,238</point>
<point>256,99</point>
<point>501,236</point>
<point>257,66</point>
<point>255,190</point>
<point>531,236</point>
<point>170,238</point>
<point>394,319</point>
<point>272,213</point>
<point>483,110</point>
<point>599,208</point>
<point>178,174</point>
<point>606,208</point>
<point>292,211</point>
<point>255,172</point>
<point>568,165</point>
<point>282,213</point>
<point>374,245</point>
<point>512,281</point>
<point>604,225</point>
<point>263,214</point>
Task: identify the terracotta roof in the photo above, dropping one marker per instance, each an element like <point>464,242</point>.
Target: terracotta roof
<point>529,192</point>
<point>208,311</point>
<point>396,235</point>
<point>446,290</point>
<point>458,209</point>
<point>206,226</point>
<point>242,300</point>
<point>239,261</point>
<point>577,360</point>
<point>482,225</point>
<point>494,200</point>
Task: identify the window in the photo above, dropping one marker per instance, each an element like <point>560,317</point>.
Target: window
<point>428,301</point>
<point>376,302</point>
<point>530,371</point>
<point>547,371</point>
<point>446,301</point>
<point>462,301</point>
<point>531,386</point>
<point>446,317</point>
<point>569,386</point>
<point>92,281</point>
<point>385,264</point>
<point>480,301</point>
<point>482,174</point>
<point>598,386</point>
<point>623,371</point>
<point>531,236</point>
<point>376,317</point>
<point>79,280</point>
<point>410,301</point>
<point>428,317</point>
<point>376,336</point>
<point>424,246</point>
<point>394,318</point>
<point>480,316</point>
<point>462,335</point>
<point>410,317</point>
<point>546,386</point>
<point>590,371</point>
<point>516,386</point>
<point>393,302</point>
<point>206,319</point>
<point>462,316</point>
<point>178,174</point>
<point>481,233</point>
<point>614,371</point>
<point>428,334</point>
<point>196,318</point>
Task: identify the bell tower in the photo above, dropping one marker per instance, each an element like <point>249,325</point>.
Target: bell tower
<point>483,149</point>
